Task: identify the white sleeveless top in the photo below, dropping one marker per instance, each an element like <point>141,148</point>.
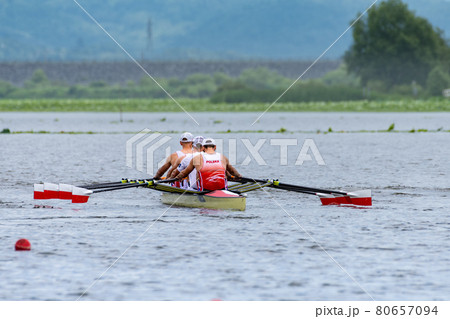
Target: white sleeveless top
<point>192,175</point>
<point>180,154</point>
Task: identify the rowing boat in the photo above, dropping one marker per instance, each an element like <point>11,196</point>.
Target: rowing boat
<point>218,199</point>
<point>221,199</point>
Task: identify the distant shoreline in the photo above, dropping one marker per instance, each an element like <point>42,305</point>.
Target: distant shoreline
<point>119,72</point>
<point>203,105</point>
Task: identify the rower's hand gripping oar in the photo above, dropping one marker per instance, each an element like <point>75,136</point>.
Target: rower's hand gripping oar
<point>327,197</point>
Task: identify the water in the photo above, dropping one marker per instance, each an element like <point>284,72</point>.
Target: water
<point>214,122</point>
<point>395,250</point>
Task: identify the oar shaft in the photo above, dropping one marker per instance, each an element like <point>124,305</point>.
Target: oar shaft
<point>308,190</point>
<point>137,183</point>
<point>114,184</point>
<point>292,189</point>
<point>101,185</point>
<point>315,190</point>
<point>171,180</point>
<point>107,187</point>
<point>120,187</point>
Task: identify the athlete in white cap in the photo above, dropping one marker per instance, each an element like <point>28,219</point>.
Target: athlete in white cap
<point>186,140</point>
<point>211,168</point>
<point>183,162</point>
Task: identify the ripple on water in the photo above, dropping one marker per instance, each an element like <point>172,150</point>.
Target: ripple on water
<point>396,249</point>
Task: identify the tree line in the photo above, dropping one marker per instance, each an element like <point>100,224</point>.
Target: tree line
<point>252,85</point>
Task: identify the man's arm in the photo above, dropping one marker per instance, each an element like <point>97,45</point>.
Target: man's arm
<point>186,171</point>
<point>179,166</point>
<point>164,168</point>
<point>174,173</point>
<point>230,169</point>
<point>175,162</point>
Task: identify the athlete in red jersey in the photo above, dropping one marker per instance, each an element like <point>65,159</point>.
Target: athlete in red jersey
<point>211,168</point>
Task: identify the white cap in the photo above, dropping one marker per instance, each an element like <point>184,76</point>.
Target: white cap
<point>186,137</point>
<point>198,140</point>
<point>208,141</point>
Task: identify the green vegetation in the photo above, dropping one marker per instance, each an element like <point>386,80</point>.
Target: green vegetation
<point>392,46</point>
<point>280,131</point>
<point>203,105</point>
<point>306,91</point>
<point>252,86</point>
<point>437,81</point>
<point>391,127</point>
<point>39,87</point>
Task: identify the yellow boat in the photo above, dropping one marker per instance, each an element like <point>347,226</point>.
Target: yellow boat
<point>233,199</point>
<point>220,199</point>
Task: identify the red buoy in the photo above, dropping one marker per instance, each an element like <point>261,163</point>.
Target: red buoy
<point>23,244</point>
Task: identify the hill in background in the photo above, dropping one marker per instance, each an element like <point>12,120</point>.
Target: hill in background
<point>182,30</point>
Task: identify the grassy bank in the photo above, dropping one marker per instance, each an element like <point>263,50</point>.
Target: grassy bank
<point>203,105</point>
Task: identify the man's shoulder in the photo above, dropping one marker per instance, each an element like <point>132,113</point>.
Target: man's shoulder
<point>197,157</point>
<point>187,158</point>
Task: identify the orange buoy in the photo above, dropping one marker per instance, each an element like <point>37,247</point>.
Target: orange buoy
<point>23,244</point>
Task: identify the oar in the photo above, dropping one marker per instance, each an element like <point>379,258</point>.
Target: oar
<point>123,186</point>
<point>103,185</point>
<point>81,194</point>
<point>125,181</point>
<point>327,197</point>
<point>132,184</point>
<point>113,184</point>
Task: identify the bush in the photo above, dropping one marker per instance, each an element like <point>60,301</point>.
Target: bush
<point>316,91</point>
<point>340,76</point>
<point>262,79</point>
<point>412,90</point>
<point>98,84</point>
<point>198,79</point>
<point>437,81</point>
<point>221,78</point>
<point>5,88</point>
<point>236,92</point>
<point>38,79</point>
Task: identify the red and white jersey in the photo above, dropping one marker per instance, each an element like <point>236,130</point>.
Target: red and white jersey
<point>212,174</point>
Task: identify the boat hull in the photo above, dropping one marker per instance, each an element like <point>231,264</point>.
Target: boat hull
<point>223,200</point>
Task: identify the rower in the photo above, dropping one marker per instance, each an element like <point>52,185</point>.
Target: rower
<point>211,168</point>
<point>183,162</point>
<point>186,144</point>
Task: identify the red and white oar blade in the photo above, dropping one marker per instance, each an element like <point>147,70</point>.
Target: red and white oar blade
<point>65,191</point>
<point>51,190</point>
<point>39,191</point>
<point>328,199</point>
<point>80,195</point>
<point>361,198</point>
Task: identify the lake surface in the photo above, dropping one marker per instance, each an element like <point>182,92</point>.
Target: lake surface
<point>215,122</point>
<point>399,249</point>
